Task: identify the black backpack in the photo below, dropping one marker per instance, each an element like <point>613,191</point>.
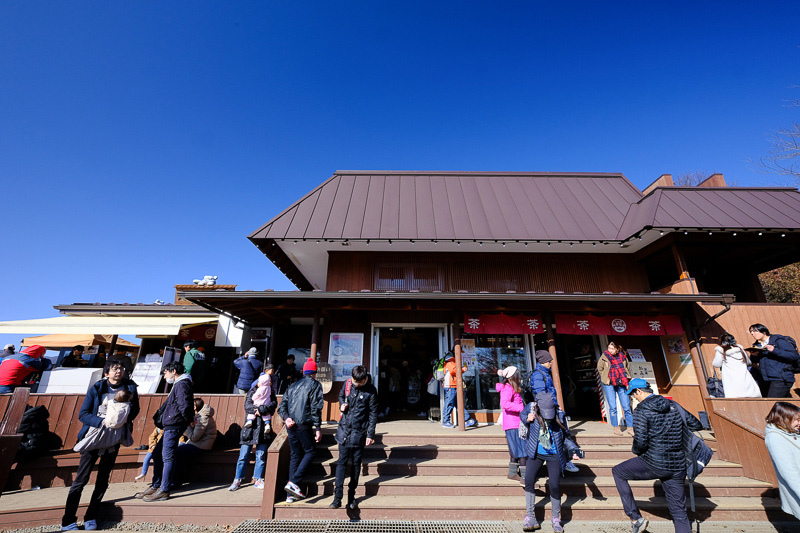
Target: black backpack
<point>795,364</point>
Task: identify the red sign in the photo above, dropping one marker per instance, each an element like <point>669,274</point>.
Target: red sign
<point>618,325</point>
<point>502,324</point>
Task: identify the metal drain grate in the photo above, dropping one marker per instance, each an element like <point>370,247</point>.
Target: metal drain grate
<point>370,526</point>
<point>461,527</point>
<point>367,526</point>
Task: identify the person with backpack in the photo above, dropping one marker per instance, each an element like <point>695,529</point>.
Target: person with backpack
<point>659,442</point>
<point>301,410</point>
<point>547,442</point>
<point>732,360</point>
<point>450,391</point>
<point>358,403</point>
<point>778,360</point>
<point>542,381</point>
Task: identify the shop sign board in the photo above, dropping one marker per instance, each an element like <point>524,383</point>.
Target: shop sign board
<point>618,325</point>
<point>324,375</point>
<point>636,355</point>
<point>345,351</point>
<point>503,324</point>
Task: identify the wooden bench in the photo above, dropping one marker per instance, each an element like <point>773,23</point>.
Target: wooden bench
<point>58,468</point>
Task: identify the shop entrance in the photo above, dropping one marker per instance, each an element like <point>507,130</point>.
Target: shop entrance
<point>577,365</point>
<point>403,359</point>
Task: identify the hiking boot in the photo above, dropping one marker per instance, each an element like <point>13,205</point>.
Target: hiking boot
<point>294,490</point>
<point>235,485</point>
<point>147,492</point>
<point>640,525</point>
<point>530,523</point>
<point>617,431</point>
<point>557,527</point>
<point>157,496</point>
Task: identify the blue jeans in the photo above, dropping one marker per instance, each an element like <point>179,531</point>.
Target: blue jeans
<point>5,389</point>
<point>612,392</point>
<point>450,403</point>
<point>244,456</point>
<point>302,448</point>
<point>164,459</point>
<point>146,463</point>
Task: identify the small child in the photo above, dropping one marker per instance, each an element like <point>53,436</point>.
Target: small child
<point>262,396</point>
<point>155,436</point>
<point>112,431</point>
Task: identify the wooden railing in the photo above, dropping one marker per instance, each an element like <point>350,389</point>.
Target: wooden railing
<point>738,425</point>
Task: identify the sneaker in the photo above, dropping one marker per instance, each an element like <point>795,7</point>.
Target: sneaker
<point>248,424</point>
<point>137,478</point>
<point>617,431</point>
<point>259,484</point>
<point>471,422</point>
<point>71,527</point>
<point>294,490</point>
<point>89,525</point>
<point>157,496</point>
<point>267,429</point>
<point>571,467</point>
<point>530,523</point>
<point>235,485</point>
<point>291,499</point>
<point>147,492</point>
<point>557,527</point>
<point>335,504</point>
<point>640,525</point>
<point>448,426</point>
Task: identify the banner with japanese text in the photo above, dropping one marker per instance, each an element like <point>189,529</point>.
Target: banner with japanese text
<point>502,324</point>
<point>618,325</point>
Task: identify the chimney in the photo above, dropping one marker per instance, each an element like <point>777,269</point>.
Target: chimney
<point>665,180</point>
<point>714,180</point>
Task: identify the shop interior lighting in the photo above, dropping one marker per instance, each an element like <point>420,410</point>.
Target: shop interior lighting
<point>760,233</point>
<point>661,232</point>
<point>711,233</point>
<point>734,234</point>
<point>390,242</point>
<point>685,232</point>
<point>783,235</point>
<point>526,245</point>
<point>367,242</point>
<point>504,245</point>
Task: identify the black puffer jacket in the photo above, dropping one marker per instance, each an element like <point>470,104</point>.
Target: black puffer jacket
<point>358,421</point>
<point>303,403</point>
<point>659,433</point>
<point>254,435</point>
<point>179,406</point>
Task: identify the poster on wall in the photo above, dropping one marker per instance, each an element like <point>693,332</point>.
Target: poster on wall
<point>468,356</point>
<point>679,359</point>
<point>345,351</point>
<point>636,355</point>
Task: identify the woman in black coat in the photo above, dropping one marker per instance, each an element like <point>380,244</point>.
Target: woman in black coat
<point>255,437</point>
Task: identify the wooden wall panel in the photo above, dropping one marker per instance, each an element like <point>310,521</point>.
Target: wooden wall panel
<point>588,273</point>
<point>779,318</point>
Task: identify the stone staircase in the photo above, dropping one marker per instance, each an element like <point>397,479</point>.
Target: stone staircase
<point>419,471</point>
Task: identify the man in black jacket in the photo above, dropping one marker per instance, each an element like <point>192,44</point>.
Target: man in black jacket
<point>776,362</point>
<point>658,440</point>
<point>114,379</point>
<point>301,410</point>
<point>358,403</point>
<point>176,415</point>
<point>286,374</point>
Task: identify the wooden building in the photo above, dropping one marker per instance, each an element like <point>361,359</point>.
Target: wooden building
<point>393,267</point>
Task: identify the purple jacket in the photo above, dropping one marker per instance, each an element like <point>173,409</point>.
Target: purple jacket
<point>511,403</point>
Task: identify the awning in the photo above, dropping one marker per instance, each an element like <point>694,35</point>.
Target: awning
<point>101,325</point>
<point>63,340</point>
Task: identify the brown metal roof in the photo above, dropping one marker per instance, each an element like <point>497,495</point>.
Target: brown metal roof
<point>715,208</point>
<point>458,205</point>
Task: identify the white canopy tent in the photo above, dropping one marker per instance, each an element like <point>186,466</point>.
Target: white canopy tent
<point>147,326</point>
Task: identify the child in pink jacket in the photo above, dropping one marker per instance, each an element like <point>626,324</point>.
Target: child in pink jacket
<point>512,404</point>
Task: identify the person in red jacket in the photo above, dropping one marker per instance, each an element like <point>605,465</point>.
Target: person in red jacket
<point>16,368</point>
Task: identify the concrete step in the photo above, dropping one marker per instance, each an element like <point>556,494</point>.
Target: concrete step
<point>410,466</point>
<point>513,508</point>
<point>571,485</point>
<point>469,452</point>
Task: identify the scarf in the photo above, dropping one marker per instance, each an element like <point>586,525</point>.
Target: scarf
<point>616,373</point>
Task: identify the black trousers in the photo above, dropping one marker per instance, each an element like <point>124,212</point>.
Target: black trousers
<point>779,389</point>
<point>553,471</point>
<point>672,482</point>
<point>87,462</point>
<point>352,455</point>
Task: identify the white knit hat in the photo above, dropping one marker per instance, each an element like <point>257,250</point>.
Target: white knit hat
<point>507,372</point>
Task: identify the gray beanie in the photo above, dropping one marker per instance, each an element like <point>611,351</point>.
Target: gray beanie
<point>252,352</point>
<point>546,405</point>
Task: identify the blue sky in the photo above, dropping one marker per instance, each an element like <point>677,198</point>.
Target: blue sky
<point>141,142</point>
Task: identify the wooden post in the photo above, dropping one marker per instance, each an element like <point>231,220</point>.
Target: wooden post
<point>460,388</point>
<point>551,347</point>
<point>271,357</point>
<point>315,335</point>
<point>113,346</point>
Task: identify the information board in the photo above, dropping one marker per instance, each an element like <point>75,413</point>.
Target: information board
<point>345,351</point>
<point>147,377</point>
